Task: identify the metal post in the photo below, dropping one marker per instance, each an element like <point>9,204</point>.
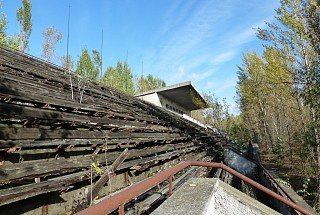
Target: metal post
<point>170,186</point>
<point>121,209</point>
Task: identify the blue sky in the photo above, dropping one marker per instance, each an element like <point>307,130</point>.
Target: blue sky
<point>201,41</point>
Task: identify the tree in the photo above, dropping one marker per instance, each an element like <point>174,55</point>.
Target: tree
<point>3,26</point>
<point>120,77</point>
<point>86,67</point>
<point>5,39</point>
<point>67,62</point>
<point>217,113</point>
<point>149,83</point>
<point>24,19</point>
<point>279,92</point>
<point>51,38</point>
<point>97,61</point>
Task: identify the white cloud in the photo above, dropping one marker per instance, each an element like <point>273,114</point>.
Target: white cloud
<point>218,86</point>
<point>201,43</point>
<point>226,85</point>
<point>179,75</point>
<point>224,57</point>
<point>196,77</point>
<point>209,85</point>
<point>184,39</point>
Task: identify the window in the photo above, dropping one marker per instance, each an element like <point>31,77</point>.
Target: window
<point>169,107</point>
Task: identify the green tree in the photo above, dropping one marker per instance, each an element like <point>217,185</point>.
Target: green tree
<point>51,39</point>
<point>3,26</point>
<point>86,67</point>
<point>5,39</point>
<point>149,83</point>
<point>297,37</point>
<point>24,19</point>
<point>97,61</point>
<point>120,77</point>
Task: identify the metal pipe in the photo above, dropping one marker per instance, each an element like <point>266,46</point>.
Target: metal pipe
<point>119,199</point>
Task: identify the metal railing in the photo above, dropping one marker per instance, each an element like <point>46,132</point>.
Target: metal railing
<point>120,199</point>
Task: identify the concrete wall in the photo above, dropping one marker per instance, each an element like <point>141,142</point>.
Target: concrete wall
<point>152,98</point>
<point>164,102</point>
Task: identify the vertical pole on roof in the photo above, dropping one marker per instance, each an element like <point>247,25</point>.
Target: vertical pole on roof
<point>142,79</point>
<point>70,79</point>
<point>127,72</point>
<point>101,55</point>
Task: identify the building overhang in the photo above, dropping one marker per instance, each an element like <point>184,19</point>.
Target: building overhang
<point>184,94</point>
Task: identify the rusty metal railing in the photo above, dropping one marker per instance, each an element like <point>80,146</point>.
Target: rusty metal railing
<point>264,171</point>
<point>120,199</point>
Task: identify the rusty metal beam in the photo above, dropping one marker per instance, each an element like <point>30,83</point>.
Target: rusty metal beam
<point>118,200</point>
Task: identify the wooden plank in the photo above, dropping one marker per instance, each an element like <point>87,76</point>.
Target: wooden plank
<point>9,76</point>
<point>22,112</point>
<point>36,89</point>
<point>41,168</point>
<point>14,194</point>
<point>18,133</point>
<point>24,144</point>
<point>106,176</point>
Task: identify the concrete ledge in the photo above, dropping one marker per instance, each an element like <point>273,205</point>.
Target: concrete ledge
<point>211,196</point>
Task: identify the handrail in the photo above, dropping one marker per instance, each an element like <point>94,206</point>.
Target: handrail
<point>120,199</point>
<point>265,171</point>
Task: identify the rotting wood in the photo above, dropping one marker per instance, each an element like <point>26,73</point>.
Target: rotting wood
<point>29,169</point>
<point>18,133</point>
<point>60,183</point>
<point>114,143</point>
<point>106,176</point>
<point>38,120</point>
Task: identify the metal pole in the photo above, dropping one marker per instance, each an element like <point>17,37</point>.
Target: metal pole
<point>121,209</point>
<point>170,186</point>
<point>70,79</point>
<point>101,55</point>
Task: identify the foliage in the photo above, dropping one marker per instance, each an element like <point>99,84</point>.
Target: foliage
<point>238,132</point>
<point>97,60</point>
<point>24,19</point>
<point>279,91</point>
<point>149,83</point>
<point>51,38</point>
<point>304,192</point>
<point>9,40</point>
<point>120,77</point>
<point>67,62</point>
<point>96,167</point>
<point>86,66</point>
<point>216,114</point>
<point>3,26</point>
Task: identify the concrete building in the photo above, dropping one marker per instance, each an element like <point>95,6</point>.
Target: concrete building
<point>179,98</point>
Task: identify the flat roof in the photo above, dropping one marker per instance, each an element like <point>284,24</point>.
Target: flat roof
<point>184,94</point>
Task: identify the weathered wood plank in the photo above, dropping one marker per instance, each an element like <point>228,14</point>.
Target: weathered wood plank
<point>19,133</point>
<point>60,183</point>
<point>40,168</point>
<point>24,144</point>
